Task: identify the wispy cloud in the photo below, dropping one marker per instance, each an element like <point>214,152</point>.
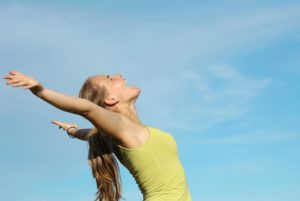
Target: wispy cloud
<point>176,58</point>
<point>151,46</point>
<point>203,97</point>
<point>253,137</point>
<point>242,166</point>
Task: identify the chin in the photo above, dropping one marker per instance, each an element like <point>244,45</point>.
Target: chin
<point>138,91</point>
<point>135,92</point>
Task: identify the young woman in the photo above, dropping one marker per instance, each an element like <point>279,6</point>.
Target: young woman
<point>149,154</point>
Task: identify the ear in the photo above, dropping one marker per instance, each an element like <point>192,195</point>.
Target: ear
<point>110,101</point>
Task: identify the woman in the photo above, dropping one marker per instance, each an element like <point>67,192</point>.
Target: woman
<point>148,153</point>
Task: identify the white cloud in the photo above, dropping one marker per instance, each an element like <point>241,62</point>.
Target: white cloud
<point>253,137</point>
<point>171,61</point>
<point>207,96</point>
<point>240,167</point>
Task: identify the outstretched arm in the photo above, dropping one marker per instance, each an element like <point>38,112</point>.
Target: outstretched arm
<point>67,103</point>
<point>72,130</point>
<point>103,119</point>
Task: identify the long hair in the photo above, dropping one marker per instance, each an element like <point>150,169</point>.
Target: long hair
<point>103,163</point>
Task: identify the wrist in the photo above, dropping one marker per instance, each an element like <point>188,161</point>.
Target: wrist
<point>37,90</point>
<point>71,130</point>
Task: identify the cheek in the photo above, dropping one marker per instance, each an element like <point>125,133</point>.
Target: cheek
<point>119,91</point>
<point>117,88</point>
<point>119,84</point>
<point>125,94</point>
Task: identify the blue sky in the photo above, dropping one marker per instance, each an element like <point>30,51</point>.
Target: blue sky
<point>221,77</point>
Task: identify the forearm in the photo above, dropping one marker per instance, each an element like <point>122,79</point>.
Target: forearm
<point>64,102</point>
<point>81,134</point>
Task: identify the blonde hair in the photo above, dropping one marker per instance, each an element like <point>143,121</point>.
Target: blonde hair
<point>103,163</point>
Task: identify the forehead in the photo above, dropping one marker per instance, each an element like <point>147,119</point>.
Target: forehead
<point>99,79</point>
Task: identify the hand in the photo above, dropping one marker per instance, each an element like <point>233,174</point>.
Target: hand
<point>17,79</point>
<point>66,126</point>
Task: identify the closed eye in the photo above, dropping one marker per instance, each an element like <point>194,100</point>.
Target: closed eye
<point>108,77</point>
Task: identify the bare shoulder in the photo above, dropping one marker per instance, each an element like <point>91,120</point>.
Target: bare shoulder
<point>134,134</point>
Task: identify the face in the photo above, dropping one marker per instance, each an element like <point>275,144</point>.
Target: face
<point>118,91</point>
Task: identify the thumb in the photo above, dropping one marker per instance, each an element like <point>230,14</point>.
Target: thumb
<point>56,122</point>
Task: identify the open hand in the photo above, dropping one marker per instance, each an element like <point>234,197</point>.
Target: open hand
<point>65,126</point>
<point>17,79</point>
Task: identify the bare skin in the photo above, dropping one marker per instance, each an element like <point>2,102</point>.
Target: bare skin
<point>73,130</point>
<point>119,119</point>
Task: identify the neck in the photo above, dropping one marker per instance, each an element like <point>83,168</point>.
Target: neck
<point>129,110</point>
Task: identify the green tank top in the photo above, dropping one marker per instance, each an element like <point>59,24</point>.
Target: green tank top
<point>156,168</point>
